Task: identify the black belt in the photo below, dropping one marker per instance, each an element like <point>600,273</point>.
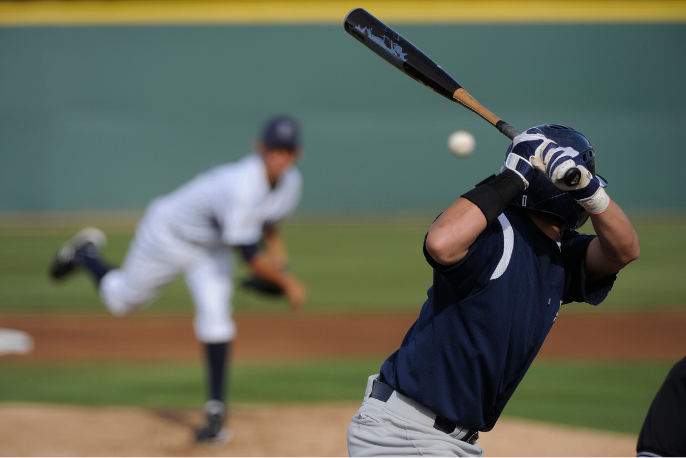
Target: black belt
<point>383,392</point>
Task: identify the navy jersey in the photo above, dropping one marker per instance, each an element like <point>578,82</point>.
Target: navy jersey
<point>486,317</point>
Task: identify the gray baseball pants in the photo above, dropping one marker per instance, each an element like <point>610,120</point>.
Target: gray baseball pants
<point>402,427</point>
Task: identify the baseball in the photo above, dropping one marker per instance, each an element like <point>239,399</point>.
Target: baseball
<point>461,143</point>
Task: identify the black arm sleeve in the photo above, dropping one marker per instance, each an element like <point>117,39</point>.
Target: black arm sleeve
<point>248,251</point>
<point>495,193</point>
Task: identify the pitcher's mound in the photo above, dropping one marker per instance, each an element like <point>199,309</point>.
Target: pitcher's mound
<point>38,430</point>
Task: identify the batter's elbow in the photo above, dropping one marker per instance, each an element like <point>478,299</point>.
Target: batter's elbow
<point>634,252</point>
<point>441,248</point>
<point>631,252</point>
<point>433,247</point>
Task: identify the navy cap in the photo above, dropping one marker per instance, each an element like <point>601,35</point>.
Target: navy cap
<point>281,132</point>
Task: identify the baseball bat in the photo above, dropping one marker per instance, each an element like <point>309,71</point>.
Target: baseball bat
<point>403,55</point>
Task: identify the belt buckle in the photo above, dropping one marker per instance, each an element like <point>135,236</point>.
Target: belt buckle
<point>471,437</point>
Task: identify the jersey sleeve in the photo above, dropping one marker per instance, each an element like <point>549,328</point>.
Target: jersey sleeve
<point>287,199</point>
<point>474,270</point>
<point>574,247</point>
<point>242,224</point>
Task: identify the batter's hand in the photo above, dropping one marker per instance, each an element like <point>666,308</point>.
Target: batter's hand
<point>521,166</point>
<point>554,161</point>
<point>549,158</point>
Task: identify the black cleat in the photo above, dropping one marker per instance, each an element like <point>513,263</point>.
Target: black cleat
<point>64,264</point>
<point>214,432</point>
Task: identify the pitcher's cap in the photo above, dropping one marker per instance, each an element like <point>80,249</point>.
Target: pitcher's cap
<point>281,132</point>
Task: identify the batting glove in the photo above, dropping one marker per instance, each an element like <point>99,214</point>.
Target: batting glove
<point>554,161</point>
<point>592,196</point>
<point>521,166</point>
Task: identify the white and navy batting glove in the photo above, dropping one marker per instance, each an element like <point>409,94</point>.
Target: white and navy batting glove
<point>591,196</point>
<point>554,161</point>
<point>521,166</point>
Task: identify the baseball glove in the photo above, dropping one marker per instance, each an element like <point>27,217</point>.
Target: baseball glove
<point>256,284</point>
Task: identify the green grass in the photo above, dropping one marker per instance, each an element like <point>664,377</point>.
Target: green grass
<point>353,265</point>
<point>368,266</point>
<point>182,385</point>
<point>611,397</point>
<point>658,275</point>
<point>363,265</point>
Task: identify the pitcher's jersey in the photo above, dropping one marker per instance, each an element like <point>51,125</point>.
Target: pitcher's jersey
<point>230,204</point>
<point>486,317</point>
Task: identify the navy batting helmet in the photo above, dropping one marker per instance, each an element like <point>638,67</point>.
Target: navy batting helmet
<point>543,196</point>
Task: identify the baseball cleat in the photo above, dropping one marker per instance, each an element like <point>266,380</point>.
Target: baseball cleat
<point>214,433</point>
<point>64,264</point>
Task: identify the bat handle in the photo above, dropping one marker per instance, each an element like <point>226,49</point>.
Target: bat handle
<point>572,176</point>
<point>509,131</point>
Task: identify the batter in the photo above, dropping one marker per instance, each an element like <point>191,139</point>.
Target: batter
<point>505,257</point>
<point>191,232</point>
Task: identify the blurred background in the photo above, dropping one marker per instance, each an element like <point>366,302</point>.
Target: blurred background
<point>106,105</point>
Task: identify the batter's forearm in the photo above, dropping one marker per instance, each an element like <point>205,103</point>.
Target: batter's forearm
<point>616,245</point>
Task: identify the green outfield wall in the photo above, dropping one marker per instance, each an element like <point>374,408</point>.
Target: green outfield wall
<point>108,117</point>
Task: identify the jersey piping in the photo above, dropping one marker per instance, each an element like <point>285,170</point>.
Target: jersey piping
<point>508,246</point>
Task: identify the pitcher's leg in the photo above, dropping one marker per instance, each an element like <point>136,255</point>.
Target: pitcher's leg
<point>123,290</point>
<point>81,252</point>
<point>210,284</point>
<point>139,280</point>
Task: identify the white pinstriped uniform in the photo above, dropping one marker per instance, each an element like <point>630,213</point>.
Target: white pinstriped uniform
<point>190,231</point>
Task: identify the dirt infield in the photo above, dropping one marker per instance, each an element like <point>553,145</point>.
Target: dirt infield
<point>31,430</point>
<point>583,336</point>
<point>293,430</point>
